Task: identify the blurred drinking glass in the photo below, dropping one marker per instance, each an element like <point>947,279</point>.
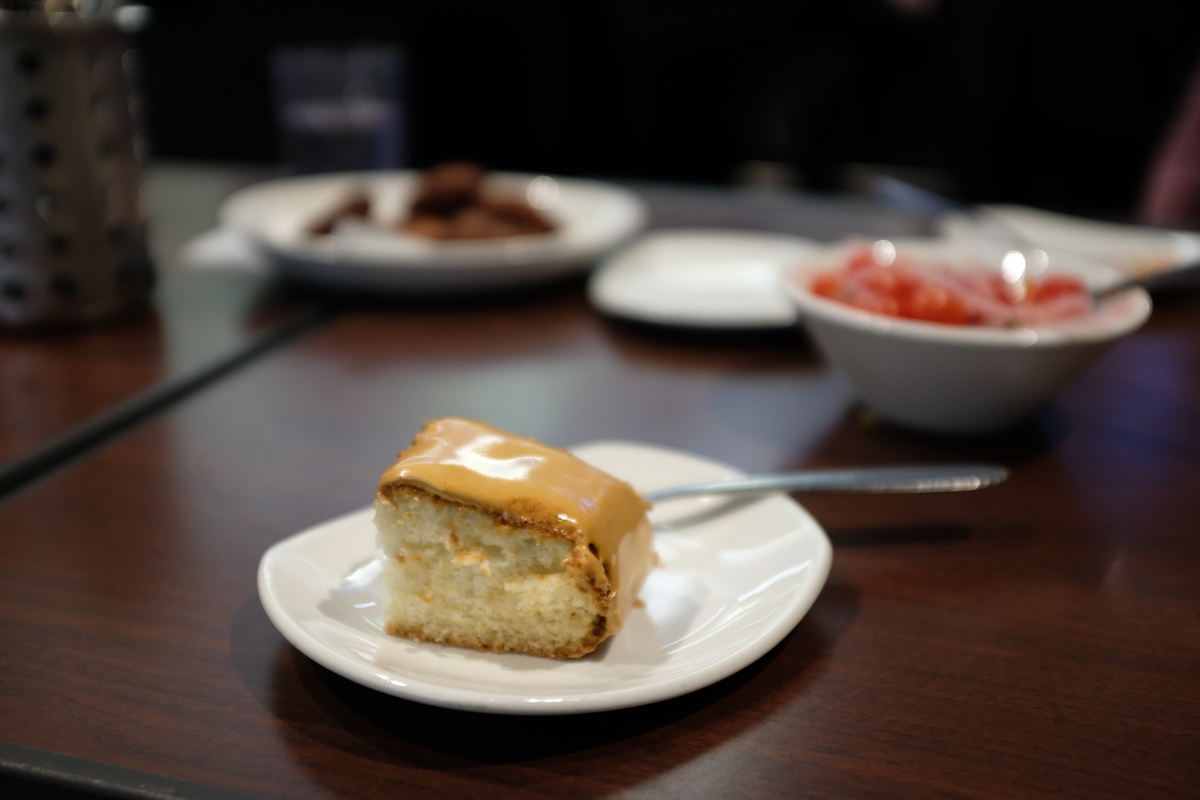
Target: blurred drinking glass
<point>339,108</point>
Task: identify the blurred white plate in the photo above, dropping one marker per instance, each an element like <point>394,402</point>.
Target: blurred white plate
<point>701,278</point>
<point>592,218</point>
<point>1132,249</point>
<point>736,577</point>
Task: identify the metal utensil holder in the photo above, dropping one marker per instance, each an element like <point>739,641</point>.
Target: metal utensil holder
<point>72,234</point>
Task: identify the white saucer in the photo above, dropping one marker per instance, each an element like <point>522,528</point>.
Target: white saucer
<point>736,577</point>
<point>701,278</point>
<point>592,218</point>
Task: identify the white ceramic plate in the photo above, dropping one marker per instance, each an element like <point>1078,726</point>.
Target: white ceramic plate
<point>1132,249</point>
<point>592,218</point>
<point>736,577</point>
<point>701,278</point>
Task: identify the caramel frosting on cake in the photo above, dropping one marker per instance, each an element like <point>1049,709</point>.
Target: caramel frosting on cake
<point>524,483</point>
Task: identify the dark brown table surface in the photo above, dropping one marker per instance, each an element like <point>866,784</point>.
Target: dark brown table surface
<point>53,381</point>
<point>1041,639</point>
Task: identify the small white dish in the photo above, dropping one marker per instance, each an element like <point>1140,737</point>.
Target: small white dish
<point>701,278</point>
<point>1134,250</point>
<point>592,219</point>
<point>736,577</point>
<point>961,379</point>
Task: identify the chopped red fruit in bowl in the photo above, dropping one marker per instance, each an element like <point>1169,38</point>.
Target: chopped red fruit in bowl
<point>936,291</point>
<point>958,337</point>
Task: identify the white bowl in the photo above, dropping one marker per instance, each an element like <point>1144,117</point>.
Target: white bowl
<point>954,378</point>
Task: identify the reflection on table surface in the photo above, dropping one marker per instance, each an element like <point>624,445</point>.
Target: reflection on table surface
<point>53,380</point>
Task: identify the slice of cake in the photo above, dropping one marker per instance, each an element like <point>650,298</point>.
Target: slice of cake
<point>501,544</point>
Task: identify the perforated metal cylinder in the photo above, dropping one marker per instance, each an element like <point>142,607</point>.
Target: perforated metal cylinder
<point>72,233</point>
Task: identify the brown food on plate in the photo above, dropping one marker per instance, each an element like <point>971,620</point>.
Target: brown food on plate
<point>448,188</point>
<point>357,204</point>
<point>501,544</point>
<point>451,203</point>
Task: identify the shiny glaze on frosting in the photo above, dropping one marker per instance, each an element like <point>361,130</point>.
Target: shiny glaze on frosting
<point>528,483</point>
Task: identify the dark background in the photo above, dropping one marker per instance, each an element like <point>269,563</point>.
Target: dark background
<point>1057,103</point>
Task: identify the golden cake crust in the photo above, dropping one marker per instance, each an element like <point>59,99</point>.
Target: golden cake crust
<point>523,489</point>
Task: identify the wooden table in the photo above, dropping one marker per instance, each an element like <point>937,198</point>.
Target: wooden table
<point>65,390</point>
<point>1041,639</point>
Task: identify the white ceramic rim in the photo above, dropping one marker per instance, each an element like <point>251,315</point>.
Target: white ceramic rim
<point>610,287</point>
